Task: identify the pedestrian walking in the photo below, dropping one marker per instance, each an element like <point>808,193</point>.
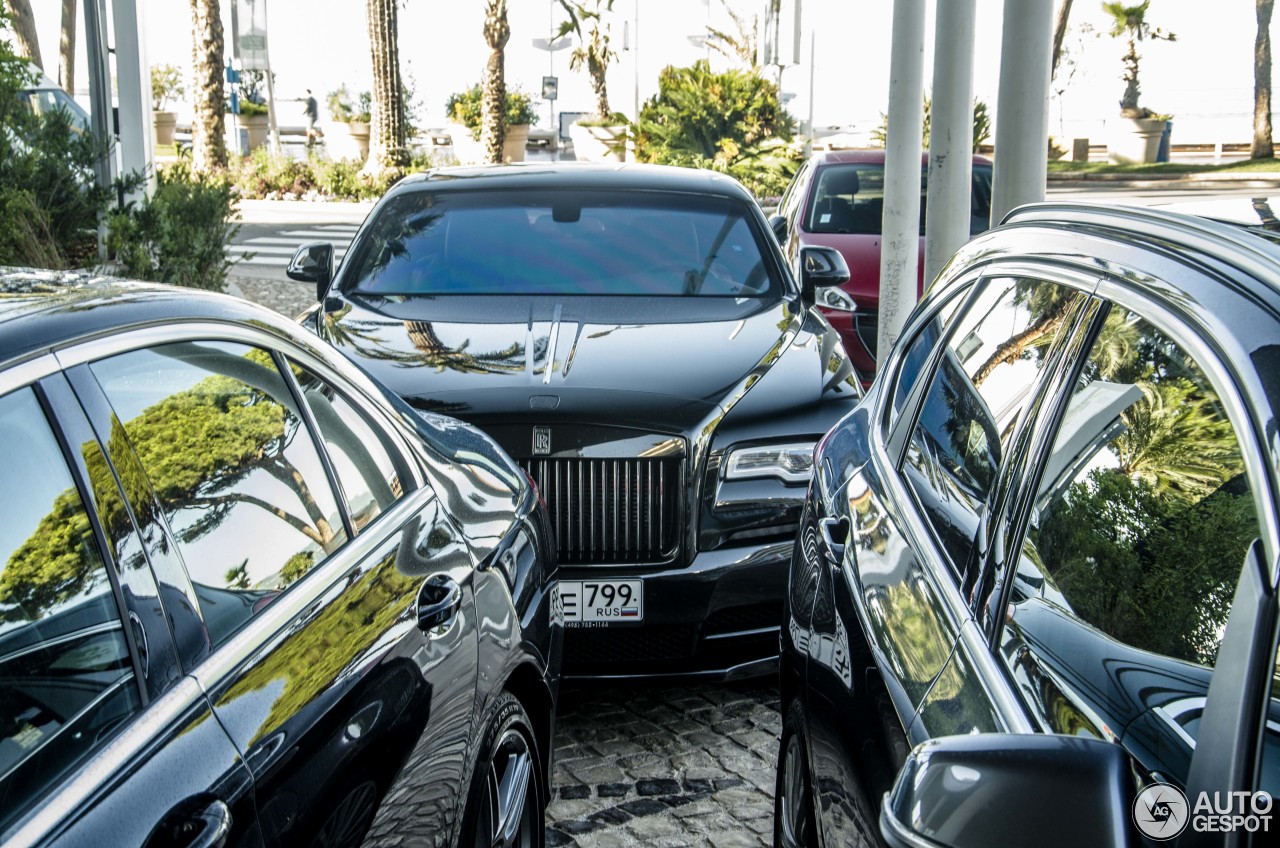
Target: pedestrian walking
<point>312,111</point>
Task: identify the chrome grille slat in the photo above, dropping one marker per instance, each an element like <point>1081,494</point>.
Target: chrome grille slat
<point>609,511</point>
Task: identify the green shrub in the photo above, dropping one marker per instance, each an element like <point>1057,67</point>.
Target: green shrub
<point>180,234</point>
<point>465,107</point>
<point>732,122</point>
<point>345,107</point>
<point>981,125</point>
<point>166,85</point>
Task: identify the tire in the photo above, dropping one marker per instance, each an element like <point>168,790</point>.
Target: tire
<point>504,806</point>
<point>794,824</point>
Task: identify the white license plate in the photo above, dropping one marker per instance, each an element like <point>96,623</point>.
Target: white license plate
<point>619,601</point>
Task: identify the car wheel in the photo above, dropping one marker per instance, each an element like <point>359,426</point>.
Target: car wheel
<point>351,816</point>
<point>504,809</point>
<point>793,805</point>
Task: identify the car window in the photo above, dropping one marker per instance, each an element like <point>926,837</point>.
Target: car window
<point>45,101</point>
<point>916,356</point>
<point>233,466</point>
<point>849,198</point>
<point>795,192</point>
<point>66,675</point>
<point>361,454</point>
<point>984,377</point>
<point>564,243</point>
<point>1134,544</point>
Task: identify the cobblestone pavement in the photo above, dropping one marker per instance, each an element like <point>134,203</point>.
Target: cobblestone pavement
<point>665,766</point>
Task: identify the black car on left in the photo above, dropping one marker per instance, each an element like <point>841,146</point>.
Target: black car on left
<point>247,598</point>
<point>633,337</point>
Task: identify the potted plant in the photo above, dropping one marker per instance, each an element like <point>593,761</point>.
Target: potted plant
<point>1141,129</point>
<point>603,136</point>
<point>166,86</point>
<point>253,107</point>
<point>353,112</point>
<point>464,108</point>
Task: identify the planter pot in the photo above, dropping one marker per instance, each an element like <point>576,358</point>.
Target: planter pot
<point>466,150</point>
<point>164,124</point>
<point>1135,140</point>
<point>599,144</point>
<point>513,144</point>
<point>258,127</point>
<point>359,132</point>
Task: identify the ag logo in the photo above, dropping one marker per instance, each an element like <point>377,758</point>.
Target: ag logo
<point>541,441</point>
<point>1160,811</point>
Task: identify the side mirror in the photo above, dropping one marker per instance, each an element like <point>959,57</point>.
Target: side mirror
<point>313,263</point>
<point>820,267</point>
<point>998,789</point>
<point>778,224</point>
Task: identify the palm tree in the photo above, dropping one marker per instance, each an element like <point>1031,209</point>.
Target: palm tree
<point>1059,35</point>
<point>493,114</point>
<point>1262,147</point>
<point>741,47</point>
<point>67,47</point>
<point>24,30</point>
<point>1130,22</point>
<point>387,149</point>
<point>593,49</point>
<point>208,145</point>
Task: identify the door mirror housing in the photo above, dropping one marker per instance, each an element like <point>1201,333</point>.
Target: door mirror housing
<point>313,263</point>
<point>821,267</point>
<point>998,789</point>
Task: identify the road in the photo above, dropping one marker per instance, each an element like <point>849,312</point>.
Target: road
<point>272,230</point>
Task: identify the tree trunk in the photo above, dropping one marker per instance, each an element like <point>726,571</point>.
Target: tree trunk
<point>67,47</point>
<point>598,70</point>
<point>387,151</point>
<point>493,111</point>
<point>1262,147</point>
<point>208,125</point>
<point>24,30</point>
<point>1059,35</point>
<point>1129,103</point>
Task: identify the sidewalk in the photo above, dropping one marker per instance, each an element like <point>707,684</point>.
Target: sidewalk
<point>1206,180</point>
<point>287,297</point>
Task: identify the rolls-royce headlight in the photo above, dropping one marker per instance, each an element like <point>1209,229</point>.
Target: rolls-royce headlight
<point>791,463</point>
<point>834,297</point>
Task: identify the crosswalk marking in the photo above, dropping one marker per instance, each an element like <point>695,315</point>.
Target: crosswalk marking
<point>276,250</point>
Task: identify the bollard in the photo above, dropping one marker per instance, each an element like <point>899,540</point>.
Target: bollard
<point>1080,150</point>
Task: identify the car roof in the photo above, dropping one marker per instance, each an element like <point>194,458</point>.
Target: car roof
<point>870,156</point>
<point>574,175</point>
<point>43,310</point>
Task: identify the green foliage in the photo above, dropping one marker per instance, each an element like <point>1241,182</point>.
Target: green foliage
<point>465,108</point>
<point>263,174</point>
<point>586,24</point>
<point>732,122</point>
<point>346,107</point>
<point>166,85</point>
<point>981,125</point>
<point>180,234</point>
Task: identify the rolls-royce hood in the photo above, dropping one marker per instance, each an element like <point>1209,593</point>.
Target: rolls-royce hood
<point>662,363</point>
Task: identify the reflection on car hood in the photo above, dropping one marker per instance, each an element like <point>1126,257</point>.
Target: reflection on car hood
<point>666,362</point>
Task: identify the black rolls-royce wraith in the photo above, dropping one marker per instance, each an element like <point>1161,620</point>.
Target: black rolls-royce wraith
<point>633,337</point>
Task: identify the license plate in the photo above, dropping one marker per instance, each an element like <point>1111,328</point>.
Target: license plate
<point>619,601</point>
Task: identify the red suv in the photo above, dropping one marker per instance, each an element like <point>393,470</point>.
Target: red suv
<point>837,200</point>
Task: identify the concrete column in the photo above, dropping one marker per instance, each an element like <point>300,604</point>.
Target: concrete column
<point>1022,108</point>
<point>900,242</point>
<point>95,40</point>
<point>951,136</point>
<point>133,86</point>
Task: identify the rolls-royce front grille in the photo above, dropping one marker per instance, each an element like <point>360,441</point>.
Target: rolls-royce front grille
<point>615,511</point>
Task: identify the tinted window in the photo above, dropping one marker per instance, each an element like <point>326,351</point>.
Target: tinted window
<point>984,378</point>
<point>1136,538</point>
<point>360,454</point>
<point>849,198</point>
<point>917,355</point>
<point>563,243</point>
<point>235,470</point>
<point>66,677</point>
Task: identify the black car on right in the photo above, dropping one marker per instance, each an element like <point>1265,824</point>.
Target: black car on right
<point>1044,549</point>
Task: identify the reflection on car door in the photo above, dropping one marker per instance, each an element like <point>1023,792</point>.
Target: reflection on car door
<point>102,744</point>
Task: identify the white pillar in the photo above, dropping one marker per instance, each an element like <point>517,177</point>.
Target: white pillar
<point>133,86</point>
<point>95,39</point>
<point>900,240</point>
<point>1022,109</point>
<point>950,136</point>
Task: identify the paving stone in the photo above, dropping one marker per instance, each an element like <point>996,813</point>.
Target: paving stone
<point>658,787</point>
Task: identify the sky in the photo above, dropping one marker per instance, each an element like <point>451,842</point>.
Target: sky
<point>1205,78</point>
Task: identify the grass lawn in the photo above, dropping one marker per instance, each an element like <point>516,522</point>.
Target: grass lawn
<point>1260,165</point>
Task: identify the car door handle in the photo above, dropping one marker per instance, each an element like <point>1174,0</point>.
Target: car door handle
<point>195,826</point>
<point>439,600</point>
<point>835,532</point>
